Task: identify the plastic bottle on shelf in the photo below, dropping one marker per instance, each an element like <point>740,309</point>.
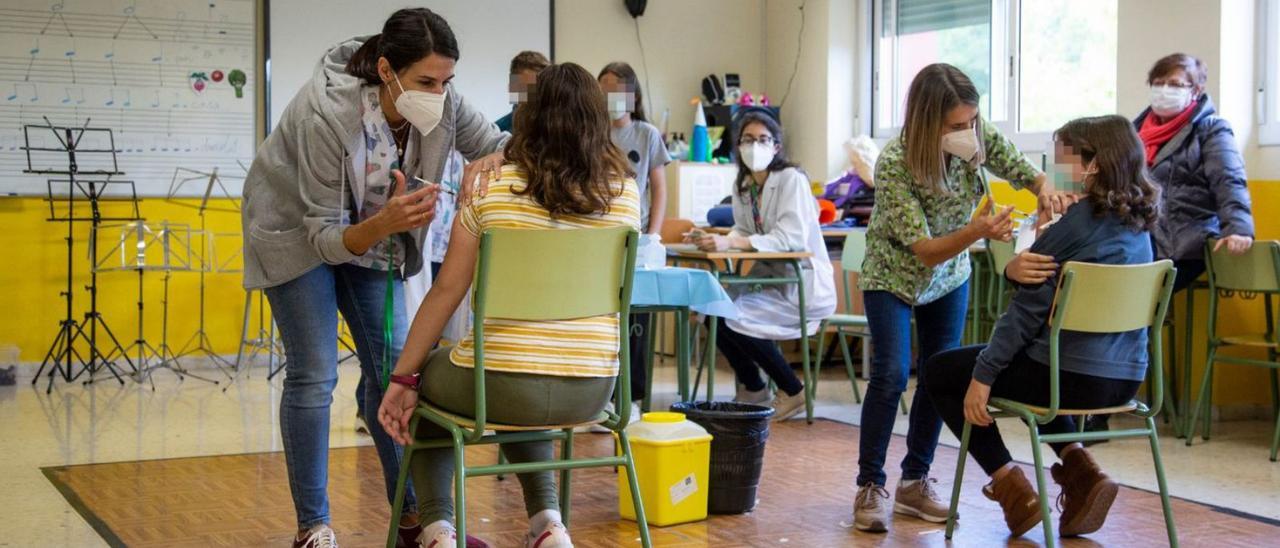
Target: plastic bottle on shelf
<point>700,145</point>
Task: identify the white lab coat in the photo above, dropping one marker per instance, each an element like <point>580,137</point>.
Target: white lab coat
<point>790,216</point>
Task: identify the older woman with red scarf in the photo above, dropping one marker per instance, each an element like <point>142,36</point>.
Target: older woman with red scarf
<point>1192,155</point>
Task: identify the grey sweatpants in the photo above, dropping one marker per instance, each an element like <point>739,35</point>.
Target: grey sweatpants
<point>513,398</point>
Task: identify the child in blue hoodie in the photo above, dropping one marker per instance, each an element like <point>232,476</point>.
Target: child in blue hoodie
<point>1109,225</point>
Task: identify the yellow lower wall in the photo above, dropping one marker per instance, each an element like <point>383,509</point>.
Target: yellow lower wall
<point>1233,384</point>
<point>35,273</point>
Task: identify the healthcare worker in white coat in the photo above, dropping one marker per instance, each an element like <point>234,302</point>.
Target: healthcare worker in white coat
<point>773,211</point>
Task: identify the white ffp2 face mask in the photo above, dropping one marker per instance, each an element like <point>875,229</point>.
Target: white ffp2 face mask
<point>757,156</point>
<point>619,104</point>
<point>421,108</point>
<point>962,144</point>
<point>1168,101</point>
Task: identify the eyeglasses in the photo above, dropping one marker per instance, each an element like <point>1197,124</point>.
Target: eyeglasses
<point>749,140</point>
<point>1172,83</point>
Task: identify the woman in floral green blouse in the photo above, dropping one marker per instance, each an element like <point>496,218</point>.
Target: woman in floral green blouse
<point>928,183</point>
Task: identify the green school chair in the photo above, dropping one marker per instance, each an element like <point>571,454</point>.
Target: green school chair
<point>525,275</point>
<point>1093,298</point>
<point>998,298</point>
<point>855,249</point>
<point>1256,273</point>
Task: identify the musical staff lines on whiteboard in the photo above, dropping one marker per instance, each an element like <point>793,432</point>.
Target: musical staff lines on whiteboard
<point>107,72</point>
<point>56,15</point>
<point>145,68</point>
<point>87,25</point>
<point>135,120</point>
<point>131,16</point>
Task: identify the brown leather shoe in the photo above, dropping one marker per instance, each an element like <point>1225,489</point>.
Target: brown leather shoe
<point>1018,500</point>
<point>1086,496</point>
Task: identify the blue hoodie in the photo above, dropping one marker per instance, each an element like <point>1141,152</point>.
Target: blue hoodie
<point>1079,236</point>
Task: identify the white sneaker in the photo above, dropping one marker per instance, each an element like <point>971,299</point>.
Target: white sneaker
<point>594,428</point>
<point>634,418</point>
<point>757,397</point>
<point>320,536</point>
<point>362,427</point>
<point>636,415</point>
<point>554,535</point>
<point>786,406</point>
<point>440,534</point>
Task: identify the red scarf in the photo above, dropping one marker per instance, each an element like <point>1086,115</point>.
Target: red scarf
<point>1155,134</point>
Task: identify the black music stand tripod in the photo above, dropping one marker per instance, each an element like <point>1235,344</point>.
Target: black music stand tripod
<point>82,185</point>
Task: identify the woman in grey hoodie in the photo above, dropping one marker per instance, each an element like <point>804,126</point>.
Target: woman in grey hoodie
<point>333,222</point>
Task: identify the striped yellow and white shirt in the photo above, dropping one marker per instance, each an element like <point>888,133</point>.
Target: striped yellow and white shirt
<point>583,347</point>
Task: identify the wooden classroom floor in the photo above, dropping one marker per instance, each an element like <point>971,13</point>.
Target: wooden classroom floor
<point>805,498</point>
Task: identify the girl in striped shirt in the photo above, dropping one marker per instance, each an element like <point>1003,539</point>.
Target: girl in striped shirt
<point>564,172</point>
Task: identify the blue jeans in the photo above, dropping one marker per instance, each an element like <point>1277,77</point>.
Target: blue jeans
<point>939,326</point>
<point>306,310</point>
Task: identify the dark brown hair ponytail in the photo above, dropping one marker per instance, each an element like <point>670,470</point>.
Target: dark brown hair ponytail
<point>408,36</point>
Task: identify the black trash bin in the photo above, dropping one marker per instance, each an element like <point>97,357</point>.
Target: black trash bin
<point>739,432</point>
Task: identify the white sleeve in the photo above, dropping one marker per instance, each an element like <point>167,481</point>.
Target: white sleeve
<point>796,212</point>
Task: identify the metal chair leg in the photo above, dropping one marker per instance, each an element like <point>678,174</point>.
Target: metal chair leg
<point>1202,403</point>
<point>848,366</point>
<point>1041,487</point>
<point>1160,481</point>
<point>1275,439</point>
<point>566,453</point>
<point>397,501</point>
<point>954,512</point>
<point>641,522</point>
<point>460,489</point>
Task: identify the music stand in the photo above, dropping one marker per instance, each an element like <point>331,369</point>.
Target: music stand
<point>87,168</point>
<point>199,341</point>
<point>142,248</point>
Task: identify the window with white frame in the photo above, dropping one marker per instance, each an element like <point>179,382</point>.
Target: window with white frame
<point>1036,63</point>
<point>1269,72</point>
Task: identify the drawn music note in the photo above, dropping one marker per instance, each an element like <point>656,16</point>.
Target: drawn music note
<point>130,14</point>
<point>179,20</point>
<point>34,52</point>
<point>67,99</point>
<point>159,61</point>
<point>56,11</point>
<point>128,98</point>
<point>156,103</point>
<point>16,94</point>
<point>110,56</point>
<point>71,60</point>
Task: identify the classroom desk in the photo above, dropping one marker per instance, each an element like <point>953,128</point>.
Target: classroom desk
<point>681,291</point>
<point>726,266</point>
<point>828,233</point>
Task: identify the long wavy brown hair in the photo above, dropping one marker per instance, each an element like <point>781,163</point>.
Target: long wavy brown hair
<point>561,140</point>
<point>1121,185</point>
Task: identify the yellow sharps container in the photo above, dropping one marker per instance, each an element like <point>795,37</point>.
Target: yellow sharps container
<point>672,456</point>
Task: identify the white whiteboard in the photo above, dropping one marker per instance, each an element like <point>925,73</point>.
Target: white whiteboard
<point>157,72</point>
<point>489,33</point>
